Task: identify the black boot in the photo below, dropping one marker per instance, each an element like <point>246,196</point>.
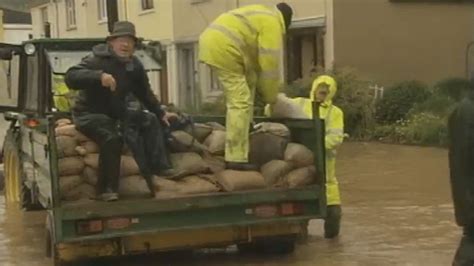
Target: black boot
<point>332,224</point>
<point>240,166</point>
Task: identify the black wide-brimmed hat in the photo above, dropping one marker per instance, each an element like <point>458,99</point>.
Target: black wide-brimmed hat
<point>123,28</point>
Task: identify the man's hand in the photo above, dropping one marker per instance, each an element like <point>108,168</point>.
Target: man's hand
<point>166,118</point>
<point>108,81</point>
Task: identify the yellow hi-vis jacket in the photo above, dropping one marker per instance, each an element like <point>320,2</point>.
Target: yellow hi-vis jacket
<point>334,124</point>
<point>244,40</point>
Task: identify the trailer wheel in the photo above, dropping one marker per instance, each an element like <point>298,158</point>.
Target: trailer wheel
<point>12,175</point>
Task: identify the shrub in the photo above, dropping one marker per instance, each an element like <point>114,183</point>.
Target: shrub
<point>383,132</point>
<point>423,128</point>
<point>356,100</point>
<point>437,104</point>
<point>455,88</point>
<point>399,99</point>
<point>299,87</point>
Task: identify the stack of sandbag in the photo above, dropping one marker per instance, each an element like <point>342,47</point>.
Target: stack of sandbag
<point>198,149</point>
<point>197,156</point>
<point>131,183</point>
<point>268,142</point>
<point>186,158</point>
<point>72,185</point>
<point>281,163</point>
<point>296,170</point>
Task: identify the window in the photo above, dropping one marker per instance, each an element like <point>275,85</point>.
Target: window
<point>44,19</point>
<point>71,14</point>
<point>9,70</point>
<point>44,15</point>
<point>102,10</point>
<point>147,4</point>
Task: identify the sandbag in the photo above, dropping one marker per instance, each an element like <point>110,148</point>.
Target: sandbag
<point>285,108</point>
<point>70,130</point>
<point>300,177</point>
<point>265,147</point>
<point>216,126</point>
<point>63,122</point>
<point>92,160</point>
<point>128,166</point>
<point>67,183</point>
<point>232,180</point>
<point>83,191</point>
<point>216,142</point>
<point>215,163</point>
<point>184,142</point>
<point>66,146</point>
<point>299,155</point>
<point>70,166</point>
<point>196,185</point>
<point>188,163</point>
<point>90,146</point>
<point>276,129</point>
<point>91,175</point>
<point>200,131</point>
<point>163,184</point>
<point>165,188</point>
<point>81,150</point>
<point>275,170</point>
<point>134,185</point>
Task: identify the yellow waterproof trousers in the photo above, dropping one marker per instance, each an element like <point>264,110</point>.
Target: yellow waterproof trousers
<point>239,90</point>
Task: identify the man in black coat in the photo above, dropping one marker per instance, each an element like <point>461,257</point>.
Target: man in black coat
<point>105,80</point>
<point>461,164</point>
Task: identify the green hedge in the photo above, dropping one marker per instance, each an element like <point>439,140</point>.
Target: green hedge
<point>399,100</point>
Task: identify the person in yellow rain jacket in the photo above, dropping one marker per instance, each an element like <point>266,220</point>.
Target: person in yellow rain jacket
<point>61,94</point>
<point>244,47</point>
<point>323,90</point>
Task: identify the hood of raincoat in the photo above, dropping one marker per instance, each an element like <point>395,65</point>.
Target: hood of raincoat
<point>324,79</point>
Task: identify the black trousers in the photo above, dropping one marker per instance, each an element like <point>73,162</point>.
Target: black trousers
<point>145,136</point>
<point>141,131</point>
<point>104,131</point>
<point>465,253</point>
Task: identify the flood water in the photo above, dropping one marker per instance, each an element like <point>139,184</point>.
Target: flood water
<point>397,211</point>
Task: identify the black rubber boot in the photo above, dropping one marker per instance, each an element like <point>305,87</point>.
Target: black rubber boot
<point>332,224</point>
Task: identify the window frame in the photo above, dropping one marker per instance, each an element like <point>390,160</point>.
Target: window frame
<point>147,5</point>
<point>71,18</point>
<point>44,14</point>
<point>102,11</point>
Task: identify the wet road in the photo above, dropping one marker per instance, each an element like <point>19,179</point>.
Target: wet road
<point>397,211</point>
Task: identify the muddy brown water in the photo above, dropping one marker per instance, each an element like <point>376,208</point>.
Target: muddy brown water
<point>397,211</point>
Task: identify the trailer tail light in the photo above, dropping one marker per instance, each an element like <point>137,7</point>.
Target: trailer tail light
<point>266,211</point>
<point>288,209</point>
<point>118,223</point>
<point>30,122</point>
<point>89,227</point>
